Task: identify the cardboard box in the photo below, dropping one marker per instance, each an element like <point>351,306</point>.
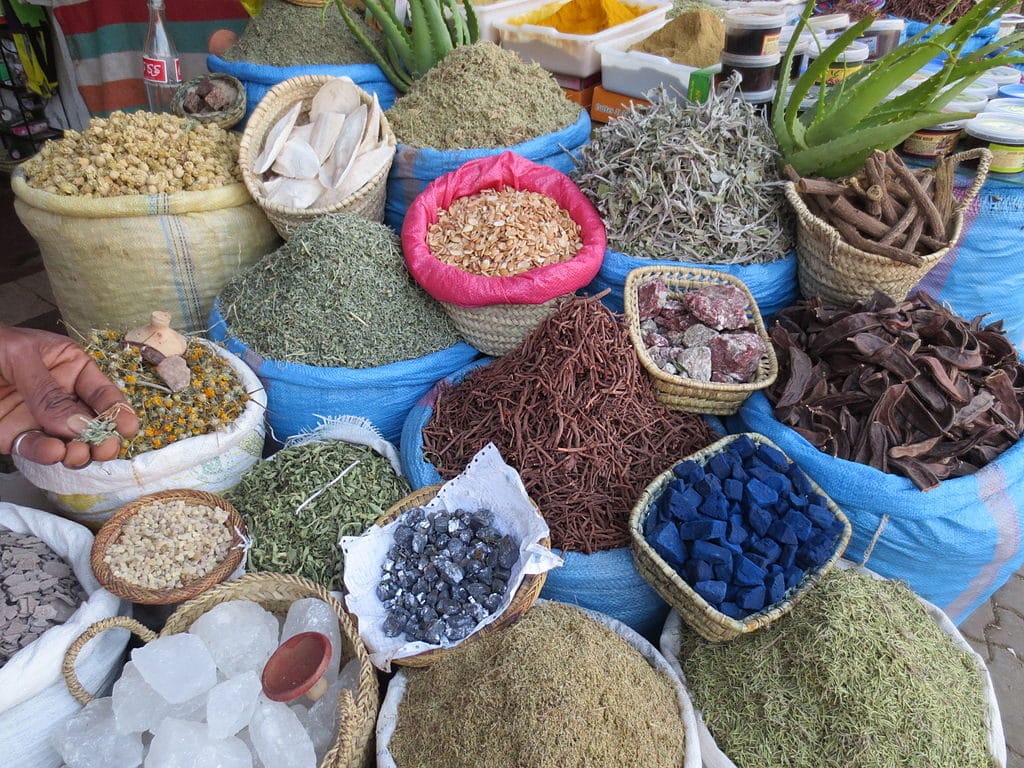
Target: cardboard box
<point>573,83</point>
<point>608,105</point>
<point>584,97</point>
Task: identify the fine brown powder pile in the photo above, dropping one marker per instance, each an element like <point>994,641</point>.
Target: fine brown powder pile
<point>695,39</point>
<point>556,690</point>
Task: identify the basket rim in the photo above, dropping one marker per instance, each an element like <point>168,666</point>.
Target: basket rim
<point>113,527</point>
<point>271,108</point>
<point>642,548</point>
<point>233,111</point>
<point>704,276</point>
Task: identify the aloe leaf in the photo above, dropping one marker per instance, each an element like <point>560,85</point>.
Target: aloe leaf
<point>397,77</point>
<point>456,23</point>
<point>471,21</point>
<point>1010,41</point>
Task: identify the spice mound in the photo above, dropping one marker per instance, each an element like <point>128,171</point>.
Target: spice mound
<point>214,399</point>
<point>142,153</point>
<point>572,410</point>
<point>168,544</point>
<point>209,95</point>
<point>445,573</point>
<point>336,295</point>
<point>481,97</point>
<point>38,590</point>
<point>857,674</point>
<point>504,232</point>
<point>556,690</point>
<point>588,17</point>
<point>910,388</point>
<point>682,181</point>
<point>694,38</point>
<point>299,503</point>
<point>284,34</point>
<point>703,334</point>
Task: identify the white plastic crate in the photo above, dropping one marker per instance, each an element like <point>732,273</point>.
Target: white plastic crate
<point>634,73</point>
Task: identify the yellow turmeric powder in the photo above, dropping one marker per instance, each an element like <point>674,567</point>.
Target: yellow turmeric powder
<point>588,17</point>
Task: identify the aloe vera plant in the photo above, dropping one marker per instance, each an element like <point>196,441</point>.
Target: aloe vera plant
<point>435,27</point>
<point>853,118</point>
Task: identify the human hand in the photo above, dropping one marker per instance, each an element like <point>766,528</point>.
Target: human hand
<point>50,389</point>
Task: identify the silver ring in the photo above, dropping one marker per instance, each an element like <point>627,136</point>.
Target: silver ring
<point>17,441</point>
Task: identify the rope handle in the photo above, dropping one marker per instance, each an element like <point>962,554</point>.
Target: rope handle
<point>75,687</point>
<point>984,158</point>
<point>343,751</point>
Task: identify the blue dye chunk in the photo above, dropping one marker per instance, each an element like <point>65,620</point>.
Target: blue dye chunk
<point>759,519</point>
<point>702,529</point>
<point>760,472</point>
<point>780,484</point>
<point>732,593</point>
<point>753,599</point>
<point>793,578</point>
<point>768,549</point>
<point>723,572</point>
<point>707,485</point>
<point>759,560</point>
<point>743,446</point>
<point>776,584</point>
<point>817,498</point>
<point>731,610</point>
<point>787,557</point>
<point>680,508</point>
<point>820,516</point>
<point>668,544</point>
<point>720,465</point>
<point>714,554</point>
<point>688,470</point>
<point>716,506</point>
<point>739,473</point>
<point>773,457</point>
<point>698,570</point>
<point>800,525</point>
<point>782,533</point>
<point>761,494</point>
<point>737,531</point>
<point>712,591</point>
<point>734,548</point>
<point>733,489</point>
<point>800,481</point>
<point>797,501</point>
<point>748,573</point>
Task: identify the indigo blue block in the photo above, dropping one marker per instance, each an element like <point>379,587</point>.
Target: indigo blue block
<point>714,554</point>
<point>743,446</point>
<point>723,572</point>
<point>834,529</point>
<point>677,506</point>
<point>780,484</point>
<point>702,529</point>
<point>753,599</point>
<point>690,471</point>
<point>732,593</point>
<point>776,584</point>
<point>797,501</point>
<point>759,560</point>
<point>787,557</point>
<point>773,457</point>
<point>793,578</point>
<point>817,498</point>
<point>748,573</point>
<point>739,473</point>
<point>736,549</point>
<point>819,515</point>
<point>761,494</point>
<point>800,525</point>
<point>707,485</point>
<point>712,591</point>
<point>731,610</point>
<point>716,506</point>
<point>668,544</point>
<point>800,481</point>
<point>782,533</point>
<point>733,489</point>
<point>767,548</point>
<point>737,530</point>
<point>720,466</point>
<point>761,472</point>
<point>759,519</point>
<point>775,568</point>
<point>698,570</point>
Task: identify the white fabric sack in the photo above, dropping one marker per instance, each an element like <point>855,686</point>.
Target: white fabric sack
<point>387,720</point>
<point>213,462</point>
<point>34,699</point>
<point>715,758</point>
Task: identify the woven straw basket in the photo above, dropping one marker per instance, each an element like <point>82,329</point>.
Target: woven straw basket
<point>367,202</point>
<point>529,589</point>
<point>275,592</point>
<point>679,393</point>
<point>709,623</point>
<point>111,532</point>
<point>499,328</point>
<point>840,274</point>
<point>226,118</point>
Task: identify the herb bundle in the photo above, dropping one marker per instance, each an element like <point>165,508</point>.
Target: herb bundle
<point>857,674</point>
<point>689,182</point>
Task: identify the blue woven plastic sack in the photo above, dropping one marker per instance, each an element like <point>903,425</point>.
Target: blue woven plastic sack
<point>300,396</point>
<point>260,78</point>
<point>984,273</point>
<point>415,167</point>
<point>773,284</point>
<point>954,545</point>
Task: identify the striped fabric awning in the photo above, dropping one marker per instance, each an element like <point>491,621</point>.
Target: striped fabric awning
<point>105,39</point>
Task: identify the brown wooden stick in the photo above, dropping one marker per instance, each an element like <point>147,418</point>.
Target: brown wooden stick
<point>921,197</point>
<point>933,243</point>
<point>874,168</point>
<point>891,209</point>
<point>914,235</point>
<point>854,238</point>
<point>820,187</point>
<point>944,175</point>
<point>900,226</point>
<point>845,210</point>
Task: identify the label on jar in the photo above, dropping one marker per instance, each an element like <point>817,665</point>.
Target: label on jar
<point>155,70</point>
<point>771,44</point>
<point>1006,158</point>
<point>931,143</point>
<point>839,72</point>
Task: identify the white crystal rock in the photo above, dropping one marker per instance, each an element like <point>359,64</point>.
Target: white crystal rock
<point>89,739</point>
<point>137,707</point>
<point>322,724</point>
<point>246,738</point>
<point>240,635</point>
<point>313,615</point>
<point>178,667</point>
<point>230,705</point>
<point>279,738</point>
<point>183,744</point>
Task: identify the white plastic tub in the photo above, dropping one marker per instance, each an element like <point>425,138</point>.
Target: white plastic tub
<point>634,73</point>
<point>489,15</point>
<point>567,54</point>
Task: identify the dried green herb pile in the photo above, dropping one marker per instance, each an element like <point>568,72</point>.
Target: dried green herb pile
<point>556,690</point>
<point>689,182</point>
<point>858,674</point>
<point>480,97</point>
<point>287,35</point>
<point>306,543</point>
<point>336,295</point>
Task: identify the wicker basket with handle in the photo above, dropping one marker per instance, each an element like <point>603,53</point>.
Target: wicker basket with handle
<point>357,714</point>
<point>368,201</point>
<point>679,393</point>
<point>499,328</point>
<point>709,623</point>
<point>528,592</point>
<point>113,528</point>
<point>225,118</point>
<point>829,267</point>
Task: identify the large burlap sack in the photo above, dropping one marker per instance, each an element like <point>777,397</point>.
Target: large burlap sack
<point>111,261</point>
<point>214,462</point>
<point>34,700</point>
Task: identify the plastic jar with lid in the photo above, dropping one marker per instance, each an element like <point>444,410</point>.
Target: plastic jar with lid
<point>1003,134</point>
<point>983,89</point>
<point>757,73</point>
<point>846,63</point>
<point>1012,92</point>
<point>936,141</point>
<point>753,33</point>
<point>1007,107</point>
<point>882,37</point>
<point>1004,75</point>
<point>800,53</point>
<point>829,26</point>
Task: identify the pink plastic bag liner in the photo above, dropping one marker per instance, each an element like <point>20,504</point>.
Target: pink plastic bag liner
<point>456,286</point>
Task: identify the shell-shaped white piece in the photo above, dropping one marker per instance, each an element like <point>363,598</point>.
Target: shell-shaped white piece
<point>337,95</point>
<point>371,133</point>
<point>347,147</point>
<point>297,194</point>
<point>297,160</point>
<point>326,130</point>
<point>304,132</point>
<point>364,168</point>
<point>276,138</point>
<point>270,186</point>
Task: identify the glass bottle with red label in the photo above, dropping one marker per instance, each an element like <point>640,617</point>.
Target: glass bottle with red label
<point>161,68</point>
